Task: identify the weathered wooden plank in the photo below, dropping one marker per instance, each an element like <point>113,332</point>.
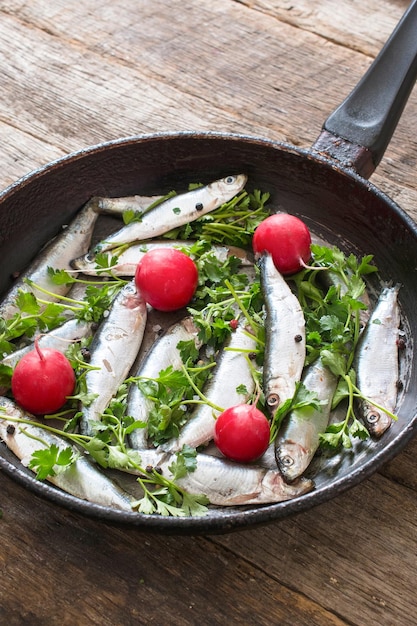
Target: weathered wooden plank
<point>314,553</point>
<point>347,23</point>
<point>98,79</point>
<point>356,555</point>
<point>22,152</point>
<point>355,25</point>
<point>61,569</point>
<point>402,468</point>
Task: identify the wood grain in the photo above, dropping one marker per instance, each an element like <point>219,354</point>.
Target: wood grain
<point>75,74</point>
<point>118,75</point>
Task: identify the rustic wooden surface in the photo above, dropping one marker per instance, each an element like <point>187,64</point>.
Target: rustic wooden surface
<point>78,73</point>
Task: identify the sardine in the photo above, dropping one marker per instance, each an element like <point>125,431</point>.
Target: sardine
<point>285,346</point>
<point>59,338</point>
<point>377,364</point>
<point>299,437</point>
<point>226,483</point>
<point>117,206</point>
<point>126,262</point>
<point>164,353</point>
<point>231,372</point>
<point>175,212</point>
<point>113,351</point>
<point>72,242</point>
<point>81,479</point>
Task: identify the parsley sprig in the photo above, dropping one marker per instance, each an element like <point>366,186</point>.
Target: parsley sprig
<point>171,393</point>
<point>30,318</point>
<point>224,292</point>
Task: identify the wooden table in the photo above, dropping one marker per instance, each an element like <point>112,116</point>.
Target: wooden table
<point>78,73</point>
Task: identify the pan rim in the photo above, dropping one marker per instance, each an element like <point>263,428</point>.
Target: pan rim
<point>303,152</point>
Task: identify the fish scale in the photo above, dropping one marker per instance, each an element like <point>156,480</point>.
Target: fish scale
<point>299,436</point>
<point>164,353</point>
<point>126,262</point>
<point>231,372</point>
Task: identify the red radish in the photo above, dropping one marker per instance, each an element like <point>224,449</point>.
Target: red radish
<point>287,239</point>
<point>242,433</point>
<point>42,380</point>
<point>166,278</point>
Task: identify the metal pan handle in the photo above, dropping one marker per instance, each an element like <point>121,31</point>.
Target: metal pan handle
<point>358,132</point>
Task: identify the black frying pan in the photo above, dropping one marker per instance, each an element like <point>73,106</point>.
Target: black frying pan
<point>326,186</point>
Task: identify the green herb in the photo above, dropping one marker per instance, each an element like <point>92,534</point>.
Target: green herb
<point>98,298</point>
<point>223,292</point>
<point>30,318</point>
<point>51,461</point>
<point>171,392</point>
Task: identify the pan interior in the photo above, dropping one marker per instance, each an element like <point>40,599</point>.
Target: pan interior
<point>339,207</point>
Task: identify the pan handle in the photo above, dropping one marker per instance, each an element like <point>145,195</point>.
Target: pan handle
<point>358,132</point>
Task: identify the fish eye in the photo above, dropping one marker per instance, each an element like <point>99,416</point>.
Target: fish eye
<point>272,399</point>
<point>287,461</point>
<point>372,418</point>
<point>229,180</point>
<point>130,288</point>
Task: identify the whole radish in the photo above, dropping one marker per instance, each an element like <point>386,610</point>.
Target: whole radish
<point>166,278</point>
<point>42,380</point>
<point>242,433</point>
<point>287,239</point>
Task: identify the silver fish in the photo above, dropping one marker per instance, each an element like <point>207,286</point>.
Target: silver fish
<point>231,371</point>
<point>117,206</point>
<point>126,262</point>
<point>377,364</point>
<point>82,479</point>
<point>73,241</point>
<point>164,353</point>
<point>299,436</point>
<point>226,483</point>
<point>113,351</point>
<point>175,212</point>
<point>59,338</point>
<point>285,346</point>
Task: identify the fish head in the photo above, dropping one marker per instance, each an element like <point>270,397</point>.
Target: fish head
<point>275,489</point>
<point>376,421</point>
<point>132,298</point>
<point>227,187</point>
<point>86,261</point>
<point>292,459</point>
<point>279,391</point>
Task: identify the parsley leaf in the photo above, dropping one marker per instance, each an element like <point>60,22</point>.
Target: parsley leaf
<point>51,461</point>
<point>186,462</point>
